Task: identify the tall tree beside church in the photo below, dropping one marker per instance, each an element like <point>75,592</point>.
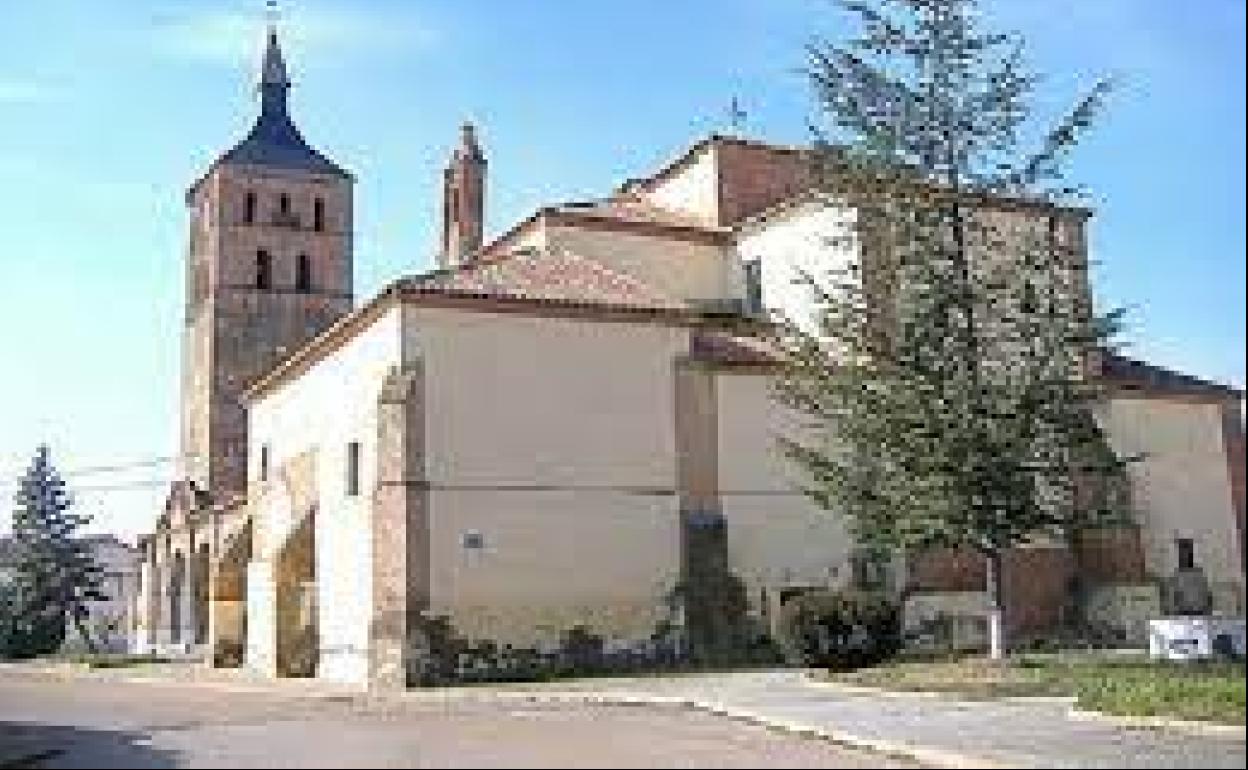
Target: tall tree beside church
<point>55,574</point>
<point>947,389</point>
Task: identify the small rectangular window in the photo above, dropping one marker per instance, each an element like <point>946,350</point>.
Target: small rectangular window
<point>753,287</point>
<point>283,203</point>
<point>264,462</point>
<point>353,468</point>
<point>249,208</point>
<point>473,540</point>
<point>1187,553</point>
<point>318,215</point>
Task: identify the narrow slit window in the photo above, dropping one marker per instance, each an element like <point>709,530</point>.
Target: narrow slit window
<point>753,287</point>
<point>353,468</point>
<point>249,208</point>
<point>303,274</point>
<point>283,204</point>
<point>264,462</point>
<point>318,215</point>
<point>264,270</point>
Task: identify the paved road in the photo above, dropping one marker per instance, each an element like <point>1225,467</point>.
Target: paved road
<point>45,722</point>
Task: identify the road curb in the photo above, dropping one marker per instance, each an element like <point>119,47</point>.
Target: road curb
<point>883,692</point>
<point>1189,726</point>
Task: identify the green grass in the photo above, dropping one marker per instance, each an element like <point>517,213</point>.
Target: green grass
<point>1123,685</point>
<point>113,660</point>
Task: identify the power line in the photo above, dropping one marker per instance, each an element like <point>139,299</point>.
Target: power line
<point>145,463</point>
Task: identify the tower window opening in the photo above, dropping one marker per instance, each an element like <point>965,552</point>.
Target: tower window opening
<point>283,204</point>
<point>264,270</point>
<point>249,208</point>
<point>303,274</point>
<point>318,215</point>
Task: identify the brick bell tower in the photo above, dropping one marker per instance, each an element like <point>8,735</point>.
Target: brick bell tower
<point>269,267</point>
<point>463,200</point>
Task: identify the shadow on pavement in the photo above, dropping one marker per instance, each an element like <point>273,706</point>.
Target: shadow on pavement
<point>33,745</point>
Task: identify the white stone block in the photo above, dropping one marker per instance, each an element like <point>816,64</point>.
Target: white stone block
<point>1194,638</point>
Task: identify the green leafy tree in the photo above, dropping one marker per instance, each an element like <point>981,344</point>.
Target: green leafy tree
<point>946,375</point>
<point>54,572</point>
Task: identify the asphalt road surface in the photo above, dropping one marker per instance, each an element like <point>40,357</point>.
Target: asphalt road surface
<point>52,723</point>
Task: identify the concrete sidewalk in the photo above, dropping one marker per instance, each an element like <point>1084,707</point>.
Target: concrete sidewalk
<point>933,730</point>
<point>1017,733</point>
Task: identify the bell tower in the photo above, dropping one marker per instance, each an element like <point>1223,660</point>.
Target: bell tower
<point>269,266</point>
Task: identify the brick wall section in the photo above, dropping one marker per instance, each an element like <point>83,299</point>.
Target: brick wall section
<point>1233,441</point>
<point>753,177</point>
<point>946,570</point>
<point>1035,587</point>
<point>1111,556</point>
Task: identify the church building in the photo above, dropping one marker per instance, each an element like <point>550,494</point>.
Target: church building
<point>550,429</point>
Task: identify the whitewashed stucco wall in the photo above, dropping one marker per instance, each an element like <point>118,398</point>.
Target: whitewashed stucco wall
<point>813,239</point>
<point>322,411</point>
<point>693,189</point>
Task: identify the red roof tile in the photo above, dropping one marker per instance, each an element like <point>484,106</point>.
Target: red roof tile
<point>555,277</point>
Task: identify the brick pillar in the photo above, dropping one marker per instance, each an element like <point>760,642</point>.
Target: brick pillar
<point>1233,444</point>
<point>400,531</point>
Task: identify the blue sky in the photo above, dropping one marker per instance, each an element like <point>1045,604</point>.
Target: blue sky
<point>109,110</point>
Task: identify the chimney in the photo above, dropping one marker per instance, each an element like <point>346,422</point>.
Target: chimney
<point>463,201</point>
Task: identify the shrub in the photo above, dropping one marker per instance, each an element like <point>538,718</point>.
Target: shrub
<point>841,630</point>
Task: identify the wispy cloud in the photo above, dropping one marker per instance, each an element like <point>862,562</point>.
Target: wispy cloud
<point>19,90</point>
<point>232,35</point>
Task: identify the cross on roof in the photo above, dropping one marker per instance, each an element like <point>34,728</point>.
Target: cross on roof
<point>736,115</point>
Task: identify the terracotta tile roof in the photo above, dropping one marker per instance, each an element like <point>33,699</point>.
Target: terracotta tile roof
<point>728,349</point>
<point>548,276</point>
<point>630,207</point>
<point>1130,373</point>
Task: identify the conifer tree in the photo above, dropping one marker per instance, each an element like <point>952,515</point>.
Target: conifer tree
<point>55,574</point>
<point>945,377</point>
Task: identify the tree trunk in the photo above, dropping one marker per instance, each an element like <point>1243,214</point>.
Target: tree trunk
<point>86,637</point>
<point>996,608</point>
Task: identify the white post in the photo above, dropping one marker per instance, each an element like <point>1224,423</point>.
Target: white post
<point>996,615</point>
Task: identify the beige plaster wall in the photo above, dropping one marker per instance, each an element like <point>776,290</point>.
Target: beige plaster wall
<point>682,269</point>
<point>776,536</point>
<point>1181,488</point>
<point>553,439</point>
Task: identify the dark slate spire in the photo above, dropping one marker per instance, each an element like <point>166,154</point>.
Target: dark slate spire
<point>274,140</point>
